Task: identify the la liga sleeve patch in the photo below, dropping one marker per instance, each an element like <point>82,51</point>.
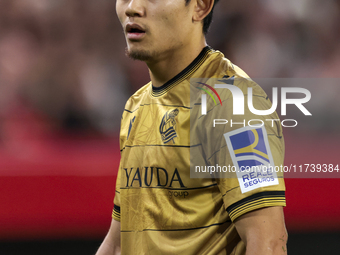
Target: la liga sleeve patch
<point>250,152</point>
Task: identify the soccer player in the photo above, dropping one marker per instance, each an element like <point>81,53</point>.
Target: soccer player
<point>158,207</point>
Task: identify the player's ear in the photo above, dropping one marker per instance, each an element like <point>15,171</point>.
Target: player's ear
<point>202,9</point>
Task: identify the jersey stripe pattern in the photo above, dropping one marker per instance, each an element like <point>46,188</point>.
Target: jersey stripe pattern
<point>161,209</point>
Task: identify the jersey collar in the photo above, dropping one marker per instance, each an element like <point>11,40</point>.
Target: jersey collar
<point>189,70</point>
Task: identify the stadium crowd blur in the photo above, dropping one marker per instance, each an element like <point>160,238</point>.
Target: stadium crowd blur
<point>63,69</point>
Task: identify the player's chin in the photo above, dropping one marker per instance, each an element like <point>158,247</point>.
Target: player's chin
<point>138,53</point>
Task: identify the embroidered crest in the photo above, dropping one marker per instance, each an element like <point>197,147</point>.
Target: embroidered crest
<point>167,128</point>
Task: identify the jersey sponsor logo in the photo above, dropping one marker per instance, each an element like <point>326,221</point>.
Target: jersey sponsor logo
<point>178,194</point>
<point>152,177</point>
<point>167,127</point>
<point>250,152</point>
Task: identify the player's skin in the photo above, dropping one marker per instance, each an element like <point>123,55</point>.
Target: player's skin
<point>168,38</point>
<point>111,243</point>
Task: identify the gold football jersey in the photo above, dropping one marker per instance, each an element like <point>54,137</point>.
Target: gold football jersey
<point>162,208</point>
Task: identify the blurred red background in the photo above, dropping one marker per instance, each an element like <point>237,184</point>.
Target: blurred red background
<point>64,80</point>
<point>64,188</point>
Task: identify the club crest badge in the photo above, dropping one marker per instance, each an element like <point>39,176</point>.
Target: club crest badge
<point>167,127</point>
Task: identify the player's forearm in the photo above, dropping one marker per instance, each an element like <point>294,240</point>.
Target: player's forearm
<point>263,231</point>
<point>274,246</point>
<point>111,243</point>
<point>109,246</point>
<point>107,249</point>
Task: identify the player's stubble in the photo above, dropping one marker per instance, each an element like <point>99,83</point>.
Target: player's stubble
<point>143,55</point>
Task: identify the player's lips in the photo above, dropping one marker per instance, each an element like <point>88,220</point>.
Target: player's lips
<point>134,31</point>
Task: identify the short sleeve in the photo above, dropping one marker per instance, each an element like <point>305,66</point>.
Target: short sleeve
<point>241,145</point>
<point>124,133</point>
<point>116,201</point>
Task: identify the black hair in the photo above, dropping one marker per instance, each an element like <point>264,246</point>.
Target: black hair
<point>207,20</point>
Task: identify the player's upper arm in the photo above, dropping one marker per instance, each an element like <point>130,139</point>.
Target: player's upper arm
<point>111,243</point>
<point>263,231</point>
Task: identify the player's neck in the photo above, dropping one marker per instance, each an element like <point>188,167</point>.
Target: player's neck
<point>168,67</point>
